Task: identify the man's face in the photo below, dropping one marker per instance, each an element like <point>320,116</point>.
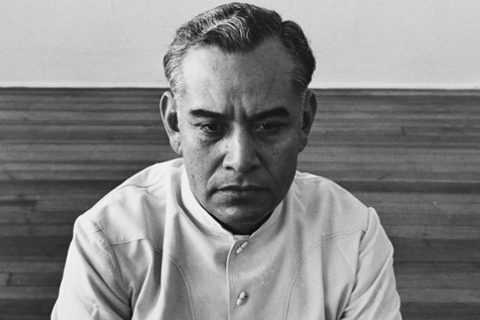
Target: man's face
<point>240,129</point>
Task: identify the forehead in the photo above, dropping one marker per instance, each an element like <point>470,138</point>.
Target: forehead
<point>262,75</point>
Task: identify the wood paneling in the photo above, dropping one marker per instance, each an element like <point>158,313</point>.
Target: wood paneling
<point>412,155</point>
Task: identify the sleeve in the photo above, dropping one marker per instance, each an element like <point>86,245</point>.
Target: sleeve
<point>92,285</point>
<point>374,295</point>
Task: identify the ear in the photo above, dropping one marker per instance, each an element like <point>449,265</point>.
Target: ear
<point>168,111</point>
<point>309,111</point>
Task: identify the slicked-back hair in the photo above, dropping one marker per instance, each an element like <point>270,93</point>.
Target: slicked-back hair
<point>239,28</point>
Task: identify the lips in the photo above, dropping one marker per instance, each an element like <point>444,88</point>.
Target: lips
<point>240,188</point>
<point>241,194</point>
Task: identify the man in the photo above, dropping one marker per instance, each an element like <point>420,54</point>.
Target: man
<point>231,230</point>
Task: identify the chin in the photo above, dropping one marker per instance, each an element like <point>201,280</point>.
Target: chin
<point>245,214</point>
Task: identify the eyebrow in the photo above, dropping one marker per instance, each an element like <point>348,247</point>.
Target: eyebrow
<point>202,113</point>
<point>281,112</point>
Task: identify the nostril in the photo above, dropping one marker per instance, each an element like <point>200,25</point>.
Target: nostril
<point>241,152</point>
<point>241,159</point>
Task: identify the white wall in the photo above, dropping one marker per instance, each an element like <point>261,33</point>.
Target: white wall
<point>358,43</point>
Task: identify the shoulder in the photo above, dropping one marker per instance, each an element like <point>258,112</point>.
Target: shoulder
<point>137,207</point>
<point>329,206</point>
<point>153,175</point>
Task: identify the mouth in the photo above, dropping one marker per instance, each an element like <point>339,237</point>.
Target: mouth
<point>241,188</point>
<point>242,195</point>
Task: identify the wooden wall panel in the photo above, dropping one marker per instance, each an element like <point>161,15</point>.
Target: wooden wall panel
<point>413,155</point>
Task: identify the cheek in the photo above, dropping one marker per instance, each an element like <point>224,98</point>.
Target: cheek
<point>283,161</point>
<point>196,160</point>
<point>286,151</point>
<point>199,162</point>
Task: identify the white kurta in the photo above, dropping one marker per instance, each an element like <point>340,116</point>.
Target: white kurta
<point>149,251</point>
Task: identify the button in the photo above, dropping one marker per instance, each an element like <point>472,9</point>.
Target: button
<point>240,249</point>
<point>241,298</point>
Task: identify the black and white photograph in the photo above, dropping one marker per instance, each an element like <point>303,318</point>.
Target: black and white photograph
<point>259,160</point>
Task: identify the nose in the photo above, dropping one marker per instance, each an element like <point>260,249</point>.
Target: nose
<point>241,152</point>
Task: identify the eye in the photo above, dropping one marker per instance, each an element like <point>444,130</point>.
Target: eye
<point>213,128</point>
<point>268,127</point>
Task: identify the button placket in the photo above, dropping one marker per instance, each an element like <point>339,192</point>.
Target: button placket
<point>235,270</point>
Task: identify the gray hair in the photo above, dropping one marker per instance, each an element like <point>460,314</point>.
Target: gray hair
<point>240,27</point>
